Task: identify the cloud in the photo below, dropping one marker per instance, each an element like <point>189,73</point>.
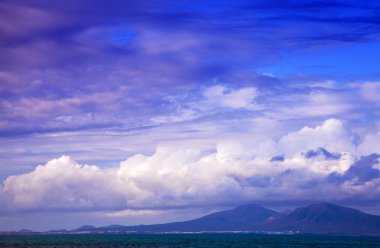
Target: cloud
<point>181,177</point>
<point>101,81</point>
<point>313,102</point>
<point>60,184</point>
<point>211,100</point>
<point>330,135</point>
<point>219,97</point>
<point>129,212</point>
<point>19,25</point>
<point>364,170</point>
<point>371,91</point>
<point>370,144</point>
<point>152,51</point>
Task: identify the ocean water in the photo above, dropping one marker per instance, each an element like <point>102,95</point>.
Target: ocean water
<point>186,240</point>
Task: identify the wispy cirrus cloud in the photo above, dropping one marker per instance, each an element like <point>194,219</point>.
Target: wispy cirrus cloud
<point>210,101</point>
<point>151,51</point>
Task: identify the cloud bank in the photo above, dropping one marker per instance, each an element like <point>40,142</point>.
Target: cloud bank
<point>320,163</point>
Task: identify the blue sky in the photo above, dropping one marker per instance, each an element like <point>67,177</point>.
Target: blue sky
<point>129,112</point>
<point>350,62</point>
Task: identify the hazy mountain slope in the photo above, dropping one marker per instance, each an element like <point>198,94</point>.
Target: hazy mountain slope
<point>316,218</point>
<point>325,218</point>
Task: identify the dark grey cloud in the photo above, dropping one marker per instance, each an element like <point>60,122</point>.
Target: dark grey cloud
<point>361,172</point>
<point>322,152</point>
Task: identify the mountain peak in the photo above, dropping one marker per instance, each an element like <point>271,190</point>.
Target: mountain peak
<point>248,213</point>
<point>321,210</point>
<point>250,206</point>
<point>85,228</point>
<point>324,205</point>
<point>323,217</point>
<point>326,217</point>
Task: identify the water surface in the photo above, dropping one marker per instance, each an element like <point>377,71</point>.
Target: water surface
<point>186,240</point>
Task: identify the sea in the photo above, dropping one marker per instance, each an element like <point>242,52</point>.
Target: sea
<point>204,240</point>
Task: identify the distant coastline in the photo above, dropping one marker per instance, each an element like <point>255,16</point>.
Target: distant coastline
<point>316,219</point>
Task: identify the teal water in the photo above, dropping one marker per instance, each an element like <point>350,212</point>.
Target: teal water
<point>187,240</point>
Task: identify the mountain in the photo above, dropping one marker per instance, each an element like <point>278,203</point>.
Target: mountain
<point>85,228</point>
<point>316,218</point>
<point>325,218</point>
<point>242,218</point>
<point>25,231</point>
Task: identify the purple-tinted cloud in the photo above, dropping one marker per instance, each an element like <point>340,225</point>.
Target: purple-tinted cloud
<point>185,177</point>
<point>144,52</point>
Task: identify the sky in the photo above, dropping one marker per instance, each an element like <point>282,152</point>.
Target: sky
<point>137,112</point>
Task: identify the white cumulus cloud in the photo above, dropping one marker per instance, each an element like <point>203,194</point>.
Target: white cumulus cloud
<point>178,176</point>
<point>330,135</point>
